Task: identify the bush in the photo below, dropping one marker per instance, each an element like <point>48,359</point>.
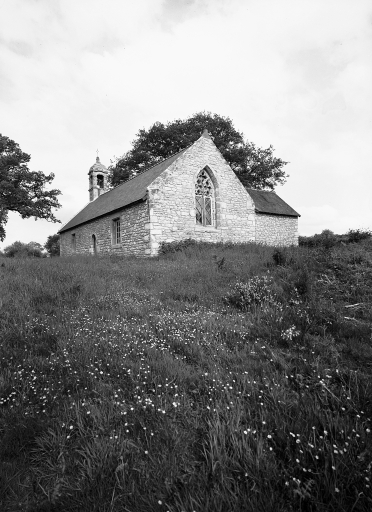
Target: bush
<point>327,239</point>
<point>21,250</point>
<point>256,292</point>
<point>282,257</point>
<point>52,245</point>
<point>357,235</point>
<point>176,246</point>
<point>182,245</point>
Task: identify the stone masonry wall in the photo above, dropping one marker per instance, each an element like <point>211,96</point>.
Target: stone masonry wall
<point>134,236</point>
<point>276,229</point>
<point>172,200</point>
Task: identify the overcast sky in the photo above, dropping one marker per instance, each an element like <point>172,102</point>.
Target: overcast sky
<point>77,75</point>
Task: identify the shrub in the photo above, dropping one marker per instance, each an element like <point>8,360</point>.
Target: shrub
<point>22,250</point>
<point>328,239</point>
<point>283,257</point>
<point>256,292</point>
<point>279,257</point>
<point>325,239</point>
<point>357,235</point>
<point>176,246</point>
<point>52,245</point>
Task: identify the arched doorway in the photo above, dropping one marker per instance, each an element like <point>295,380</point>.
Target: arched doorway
<point>94,244</point>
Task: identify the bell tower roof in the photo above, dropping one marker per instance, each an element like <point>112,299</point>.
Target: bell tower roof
<point>98,167</point>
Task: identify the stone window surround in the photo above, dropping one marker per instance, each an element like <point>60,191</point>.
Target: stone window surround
<point>115,231</point>
<point>199,227</point>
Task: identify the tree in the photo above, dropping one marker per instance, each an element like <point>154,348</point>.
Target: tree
<point>22,190</point>
<point>22,250</point>
<point>255,167</point>
<point>52,245</point>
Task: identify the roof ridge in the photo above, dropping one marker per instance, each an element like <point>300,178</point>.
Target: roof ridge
<point>259,190</point>
<point>152,166</point>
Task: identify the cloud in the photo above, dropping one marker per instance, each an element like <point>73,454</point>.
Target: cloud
<point>318,216</point>
<point>75,76</point>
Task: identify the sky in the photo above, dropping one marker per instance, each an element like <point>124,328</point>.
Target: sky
<point>82,75</point>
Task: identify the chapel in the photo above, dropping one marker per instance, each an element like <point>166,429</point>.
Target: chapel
<point>192,194</point>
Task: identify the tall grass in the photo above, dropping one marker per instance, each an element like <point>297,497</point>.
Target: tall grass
<point>216,378</point>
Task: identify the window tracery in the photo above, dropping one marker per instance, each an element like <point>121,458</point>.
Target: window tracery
<point>204,200</point>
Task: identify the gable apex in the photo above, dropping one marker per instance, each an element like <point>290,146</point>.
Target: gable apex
<point>206,134</point>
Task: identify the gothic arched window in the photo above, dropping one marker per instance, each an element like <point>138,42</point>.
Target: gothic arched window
<point>205,200</point>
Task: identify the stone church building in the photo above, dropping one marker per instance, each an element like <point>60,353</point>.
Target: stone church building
<point>192,194</point>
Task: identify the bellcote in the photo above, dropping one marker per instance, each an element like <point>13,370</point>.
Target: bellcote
<point>98,180</point>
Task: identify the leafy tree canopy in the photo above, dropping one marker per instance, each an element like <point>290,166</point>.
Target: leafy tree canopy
<point>255,167</point>
<point>22,250</point>
<point>52,245</point>
<point>22,190</point>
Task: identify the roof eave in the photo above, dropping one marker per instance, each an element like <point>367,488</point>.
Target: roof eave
<point>279,214</point>
<point>104,214</point>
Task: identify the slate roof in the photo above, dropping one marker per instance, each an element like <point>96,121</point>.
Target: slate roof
<point>123,195</point>
<point>270,203</point>
<point>135,190</point>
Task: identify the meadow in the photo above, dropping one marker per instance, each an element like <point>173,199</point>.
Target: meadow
<point>209,379</point>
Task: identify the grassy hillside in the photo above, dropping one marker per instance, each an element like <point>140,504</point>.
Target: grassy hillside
<point>212,379</point>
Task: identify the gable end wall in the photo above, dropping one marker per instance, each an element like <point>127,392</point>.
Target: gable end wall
<point>172,200</point>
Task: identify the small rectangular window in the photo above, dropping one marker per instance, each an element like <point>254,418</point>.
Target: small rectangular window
<point>116,239</point>
<point>73,242</point>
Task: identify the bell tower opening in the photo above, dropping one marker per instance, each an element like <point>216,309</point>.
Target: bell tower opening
<point>100,181</point>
